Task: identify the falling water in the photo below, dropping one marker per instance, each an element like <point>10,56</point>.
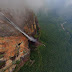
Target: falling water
<point>10,22</point>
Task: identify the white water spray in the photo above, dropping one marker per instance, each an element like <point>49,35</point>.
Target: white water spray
<point>16,27</point>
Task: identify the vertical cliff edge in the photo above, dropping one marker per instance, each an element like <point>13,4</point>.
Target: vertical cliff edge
<point>14,46</point>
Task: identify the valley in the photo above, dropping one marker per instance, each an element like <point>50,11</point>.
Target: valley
<point>56,56</point>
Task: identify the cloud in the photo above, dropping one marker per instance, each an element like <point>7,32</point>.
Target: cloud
<point>68,2</point>
<point>35,5</point>
<point>58,3</point>
<point>20,4</point>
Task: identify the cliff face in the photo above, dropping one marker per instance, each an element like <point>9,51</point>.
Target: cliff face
<point>14,49</point>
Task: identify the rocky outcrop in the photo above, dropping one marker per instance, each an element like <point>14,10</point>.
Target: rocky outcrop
<point>14,46</point>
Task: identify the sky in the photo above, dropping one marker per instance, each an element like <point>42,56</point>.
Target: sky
<point>58,3</point>
<point>35,5</point>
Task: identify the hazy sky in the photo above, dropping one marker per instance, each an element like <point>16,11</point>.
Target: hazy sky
<point>33,4</point>
<point>58,3</point>
<point>36,4</point>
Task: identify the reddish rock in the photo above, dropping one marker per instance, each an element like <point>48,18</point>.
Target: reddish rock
<point>12,42</point>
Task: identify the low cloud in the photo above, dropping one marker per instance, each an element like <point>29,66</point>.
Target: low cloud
<point>36,5</point>
<point>20,4</point>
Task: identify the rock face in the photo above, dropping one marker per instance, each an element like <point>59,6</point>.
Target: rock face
<point>14,49</point>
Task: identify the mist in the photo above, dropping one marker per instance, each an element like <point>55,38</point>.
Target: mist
<point>35,5</point>
<point>61,6</point>
<point>19,9</point>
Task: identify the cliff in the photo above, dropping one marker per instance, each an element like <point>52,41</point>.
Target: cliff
<point>14,46</point>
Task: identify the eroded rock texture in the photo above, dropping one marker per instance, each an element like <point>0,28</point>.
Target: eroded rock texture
<point>14,49</point>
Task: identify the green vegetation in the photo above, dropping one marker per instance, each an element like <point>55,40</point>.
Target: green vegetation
<point>17,62</point>
<point>1,55</point>
<point>57,55</point>
<point>36,66</point>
